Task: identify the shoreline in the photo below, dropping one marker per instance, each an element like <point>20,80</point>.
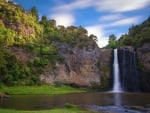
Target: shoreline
<point>39,90</point>
<point>71,108</point>
<point>119,109</point>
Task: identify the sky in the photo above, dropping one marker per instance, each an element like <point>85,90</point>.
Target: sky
<point>100,17</point>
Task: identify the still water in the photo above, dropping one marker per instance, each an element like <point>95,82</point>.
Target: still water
<point>39,102</point>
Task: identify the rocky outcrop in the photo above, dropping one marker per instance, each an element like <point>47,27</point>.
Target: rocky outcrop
<point>21,28</point>
<point>143,54</point>
<point>21,54</point>
<point>144,57</point>
<point>80,66</point>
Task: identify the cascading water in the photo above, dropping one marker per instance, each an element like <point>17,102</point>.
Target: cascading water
<point>129,74</point>
<point>116,84</point>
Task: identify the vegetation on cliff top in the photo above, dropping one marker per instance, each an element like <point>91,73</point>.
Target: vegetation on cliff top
<point>37,41</point>
<point>136,36</point>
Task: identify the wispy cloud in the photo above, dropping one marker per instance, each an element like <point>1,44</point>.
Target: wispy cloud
<point>125,21</point>
<point>65,19</point>
<point>109,23</point>
<point>105,5</point>
<point>121,5</point>
<point>100,33</point>
<point>77,4</point>
<point>111,17</point>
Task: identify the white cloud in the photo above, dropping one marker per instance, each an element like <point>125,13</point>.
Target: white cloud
<point>65,19</point>
<point>77,4</point>
<point>126,21</point>
<point>111,17</point>
<point>121,5</point>
<point>100,33</point>
<point>121,22</point>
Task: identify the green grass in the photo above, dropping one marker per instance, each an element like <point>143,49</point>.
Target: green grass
<point>56,110</point>
<point>44,89</point>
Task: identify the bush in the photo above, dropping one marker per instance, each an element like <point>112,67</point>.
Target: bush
<point>68,105</point>
<point>45,51</point>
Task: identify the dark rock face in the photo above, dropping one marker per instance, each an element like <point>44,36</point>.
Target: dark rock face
<point>144,57</point>
<point>132,77</point>
<point>143,54</point>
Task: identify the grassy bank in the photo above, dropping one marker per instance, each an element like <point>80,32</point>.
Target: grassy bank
<point>44,89</point>
<point>68,108</point>
<point>64,110</point>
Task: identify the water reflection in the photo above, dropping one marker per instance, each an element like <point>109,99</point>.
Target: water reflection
<point>117,99</point>
<point>35,102</point>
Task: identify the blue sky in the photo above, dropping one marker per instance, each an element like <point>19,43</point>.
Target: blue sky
<point>99,17</point>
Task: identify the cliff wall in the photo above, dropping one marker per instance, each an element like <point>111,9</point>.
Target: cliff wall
<point>80,67</point>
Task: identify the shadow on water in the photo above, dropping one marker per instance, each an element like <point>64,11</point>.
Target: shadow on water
<point>36,102</point>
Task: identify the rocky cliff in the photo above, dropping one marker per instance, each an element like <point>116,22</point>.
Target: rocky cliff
<point>144,57</point>
<point>80,67</point>
<point>143,54</point>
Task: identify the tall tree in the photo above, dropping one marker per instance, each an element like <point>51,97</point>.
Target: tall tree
<point>44,21</point>
<point>34,12</point>
<point>112,41</point>
<point>52,23</point>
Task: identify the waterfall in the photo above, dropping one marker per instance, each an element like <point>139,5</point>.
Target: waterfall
<point>129,73</point>
<point>116,84</point>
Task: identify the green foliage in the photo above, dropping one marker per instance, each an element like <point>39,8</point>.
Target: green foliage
<point>54,110</point>
<point>44,21</point>
<point>74,36</point>
<point>40,62</point>
<point>68,105</point>
<point>112,43</point>
<point>34,12</point>
<point>15,25</point>
<point>137,35</point>
<point>7,36</point>
<point>12,72</point>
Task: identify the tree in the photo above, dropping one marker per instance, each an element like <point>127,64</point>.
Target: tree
<point>52,23</point>
<point>44,21</point>
<point>112,43</point>
<point>34,12</point>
